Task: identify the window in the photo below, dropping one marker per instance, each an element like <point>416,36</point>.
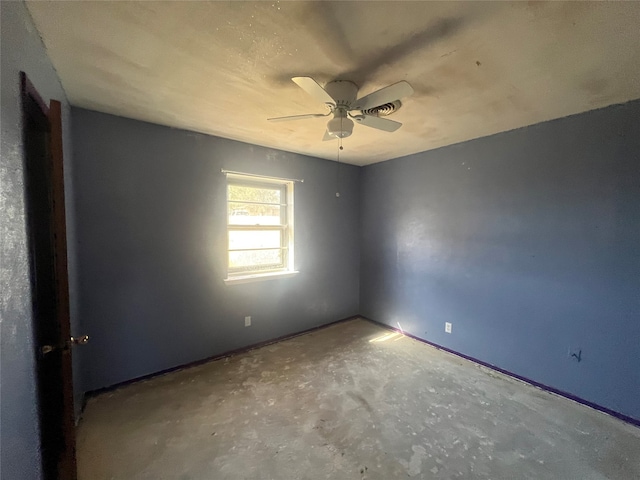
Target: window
<point>259,228</point>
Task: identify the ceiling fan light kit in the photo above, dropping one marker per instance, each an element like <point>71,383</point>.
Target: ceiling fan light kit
<point>340,126</point>
<point>341,98</point>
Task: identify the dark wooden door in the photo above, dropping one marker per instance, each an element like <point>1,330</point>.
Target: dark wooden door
<point>42,133</point>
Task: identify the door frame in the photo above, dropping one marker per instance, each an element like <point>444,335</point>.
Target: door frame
<point>66,463</point>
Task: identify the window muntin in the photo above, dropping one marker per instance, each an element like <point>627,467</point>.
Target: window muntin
<point>259,225</point>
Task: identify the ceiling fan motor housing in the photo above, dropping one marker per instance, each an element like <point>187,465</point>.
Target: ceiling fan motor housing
<point>343,91</point>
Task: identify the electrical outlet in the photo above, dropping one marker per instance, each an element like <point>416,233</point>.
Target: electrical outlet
<point>447,327</point>
<point>247,321</point>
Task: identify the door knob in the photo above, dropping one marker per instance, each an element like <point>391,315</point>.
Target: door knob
<point>80,340</point>
<point>72,341</point>
<point>47,349</point>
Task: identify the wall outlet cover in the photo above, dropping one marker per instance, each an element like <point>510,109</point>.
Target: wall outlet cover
<point>447,327</point>
<point>247,321</point>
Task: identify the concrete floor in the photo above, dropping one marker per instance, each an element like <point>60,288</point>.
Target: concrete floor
<point>352,401</point>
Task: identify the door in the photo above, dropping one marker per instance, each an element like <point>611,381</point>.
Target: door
<point>42,135</point>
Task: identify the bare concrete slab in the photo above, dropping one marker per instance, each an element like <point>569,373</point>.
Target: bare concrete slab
<point>352,401</point>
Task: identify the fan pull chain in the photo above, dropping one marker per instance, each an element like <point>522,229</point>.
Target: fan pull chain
<point>338,165</point>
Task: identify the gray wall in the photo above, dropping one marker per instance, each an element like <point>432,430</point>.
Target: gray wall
<point>22,49</point>
<point>527,241</point>
<point>151,244</point>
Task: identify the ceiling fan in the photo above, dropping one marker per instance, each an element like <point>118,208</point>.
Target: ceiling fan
<point>340,97</point>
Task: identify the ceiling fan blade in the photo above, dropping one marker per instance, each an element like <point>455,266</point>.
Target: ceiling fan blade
<point>297,117</point>
<point>384,95</point>
<point>377,122</point>
<point>328,137</point>
<point>314,89</point>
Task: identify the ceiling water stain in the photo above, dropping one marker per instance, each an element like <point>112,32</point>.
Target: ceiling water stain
<point>595,86</point>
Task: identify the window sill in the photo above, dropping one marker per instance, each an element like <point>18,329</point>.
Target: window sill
<point>258,277</point>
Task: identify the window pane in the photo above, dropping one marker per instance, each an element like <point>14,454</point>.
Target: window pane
<point>255,258</point>
<point>252,214</point>
<point>255,194</point>
<point>254,239</point>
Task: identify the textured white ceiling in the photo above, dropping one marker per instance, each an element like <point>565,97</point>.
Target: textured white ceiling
<point>223,68</point>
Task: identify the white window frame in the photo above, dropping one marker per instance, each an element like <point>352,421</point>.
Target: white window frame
<point>286,231</point>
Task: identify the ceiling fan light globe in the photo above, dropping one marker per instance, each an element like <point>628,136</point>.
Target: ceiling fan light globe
<point>340,127</point>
